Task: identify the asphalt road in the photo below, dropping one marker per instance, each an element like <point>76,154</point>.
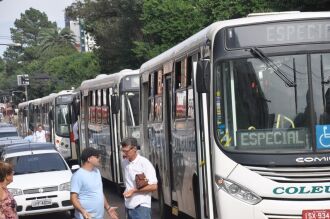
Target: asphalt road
<point>114,198</point>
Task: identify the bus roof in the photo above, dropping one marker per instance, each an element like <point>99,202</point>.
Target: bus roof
<point>23,104</point>
<point>208,33</point>
<point>105,81</point>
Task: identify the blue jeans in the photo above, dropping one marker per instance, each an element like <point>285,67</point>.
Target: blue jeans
<point>139,212</point>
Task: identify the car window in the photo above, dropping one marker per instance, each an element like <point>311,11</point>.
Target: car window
<point>35,163</point>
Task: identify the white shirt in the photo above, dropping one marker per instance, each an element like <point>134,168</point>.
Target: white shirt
<point>39,136</point>
<point>138,165</point>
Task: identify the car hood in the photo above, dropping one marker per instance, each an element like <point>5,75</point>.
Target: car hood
<point>37,180</point>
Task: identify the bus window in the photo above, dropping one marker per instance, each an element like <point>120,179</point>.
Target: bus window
<point>159,97</point>
<point>184,99</point>
<point>321,71</point>
<point>151,100</point>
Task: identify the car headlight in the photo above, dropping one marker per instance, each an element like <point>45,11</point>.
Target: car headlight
<point>65,187</point>
<point>15,192</point>
<point>237,191</point>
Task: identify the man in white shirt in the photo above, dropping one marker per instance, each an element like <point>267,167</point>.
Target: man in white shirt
<point>137,201</point>
<point>39,135</point>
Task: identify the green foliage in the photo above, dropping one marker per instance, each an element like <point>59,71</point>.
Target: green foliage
<point>28,27</point>
<point>165,24</point>
<point>56,42</point>
<point>71,70</point>
<point>115,25</point>
<point>42,42</point>
<point>2,65</point>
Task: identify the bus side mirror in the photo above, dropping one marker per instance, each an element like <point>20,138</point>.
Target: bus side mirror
<point>76,106</point>
<point>25,112</point>
<point>203,76</point>
<point>114,104</point>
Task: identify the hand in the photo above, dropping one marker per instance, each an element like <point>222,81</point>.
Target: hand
<point>86,215</point>
<point>113,212</point>
<point>129,193</point>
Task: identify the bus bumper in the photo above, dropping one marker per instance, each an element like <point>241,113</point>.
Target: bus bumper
<point>229,207</point>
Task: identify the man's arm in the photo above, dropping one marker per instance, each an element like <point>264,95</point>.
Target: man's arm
<point>75,202</point>
<point>110,210</point>
<point>146,189</point>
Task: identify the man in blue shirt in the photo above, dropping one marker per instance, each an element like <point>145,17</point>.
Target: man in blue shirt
<point>29,137</point>
<point>87,190</point>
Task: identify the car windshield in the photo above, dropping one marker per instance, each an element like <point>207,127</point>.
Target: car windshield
<point>36,163</point>
<point>8,134</point>
<point>265,103</point>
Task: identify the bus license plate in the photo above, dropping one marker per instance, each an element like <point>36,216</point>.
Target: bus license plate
<point>316,214</point>
<point>41,202</point>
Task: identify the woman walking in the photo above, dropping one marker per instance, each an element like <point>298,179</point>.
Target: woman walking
<point>7,201</point>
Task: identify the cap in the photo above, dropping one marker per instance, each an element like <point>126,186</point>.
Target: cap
<point>88,152</point>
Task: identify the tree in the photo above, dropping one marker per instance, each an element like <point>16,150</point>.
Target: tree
<point>71,70</point>
<point>55,42</point>
<point>28,27</point>
<point>115,25</point>
<point>41,40</point>
<point>166,23</point>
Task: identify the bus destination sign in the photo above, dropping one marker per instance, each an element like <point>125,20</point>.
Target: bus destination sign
<point>278,34</point>
<point>266,138</point>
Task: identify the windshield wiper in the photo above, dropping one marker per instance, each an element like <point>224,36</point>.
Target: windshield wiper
<point>262,57</point>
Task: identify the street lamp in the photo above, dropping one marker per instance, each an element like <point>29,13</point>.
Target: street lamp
<point>11,44</point>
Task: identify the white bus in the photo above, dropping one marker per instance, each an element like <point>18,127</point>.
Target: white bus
<point>235,119</point>
<point>57,115</point>
<point>108,113</point>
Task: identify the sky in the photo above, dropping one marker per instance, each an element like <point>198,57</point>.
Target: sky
<point>10,10</point>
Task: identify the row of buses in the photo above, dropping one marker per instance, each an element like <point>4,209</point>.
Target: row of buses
<point>234,119</point>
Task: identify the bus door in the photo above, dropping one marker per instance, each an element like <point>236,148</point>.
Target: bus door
<point>114,133</point>
<point>168,141</point>
<point>204,203</point>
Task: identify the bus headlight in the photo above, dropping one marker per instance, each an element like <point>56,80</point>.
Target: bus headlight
<point>237,191</point>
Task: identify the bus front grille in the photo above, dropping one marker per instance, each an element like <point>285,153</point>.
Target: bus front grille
<point>294,174</point>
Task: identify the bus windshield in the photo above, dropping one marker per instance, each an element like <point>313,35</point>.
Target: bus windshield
<point>272,104</point>
<point>62,122</point>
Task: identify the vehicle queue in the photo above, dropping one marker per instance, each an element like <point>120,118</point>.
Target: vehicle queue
<point>196,109</point>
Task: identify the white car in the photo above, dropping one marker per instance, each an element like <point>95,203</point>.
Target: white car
<point>41,180</point>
